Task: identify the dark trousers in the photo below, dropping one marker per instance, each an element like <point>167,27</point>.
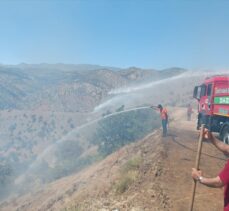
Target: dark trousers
<point>164,126</point>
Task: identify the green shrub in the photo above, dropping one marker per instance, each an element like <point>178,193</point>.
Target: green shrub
<point>116,131</point>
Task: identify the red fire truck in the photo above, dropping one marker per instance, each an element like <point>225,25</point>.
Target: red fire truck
<point>213,105</point>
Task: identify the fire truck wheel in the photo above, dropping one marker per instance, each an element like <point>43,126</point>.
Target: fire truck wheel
<point>225,134</point>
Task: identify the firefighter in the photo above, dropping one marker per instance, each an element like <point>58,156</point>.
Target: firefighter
<point>189,112</point>
<point>164,118</point>
<point>222,180</point>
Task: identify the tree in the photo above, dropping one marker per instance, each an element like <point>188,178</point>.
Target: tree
<point>121,108</point>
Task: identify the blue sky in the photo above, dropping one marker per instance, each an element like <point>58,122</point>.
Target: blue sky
<point>149,34</point>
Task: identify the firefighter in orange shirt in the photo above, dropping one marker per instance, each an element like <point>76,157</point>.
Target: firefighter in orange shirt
<point>164,118</point>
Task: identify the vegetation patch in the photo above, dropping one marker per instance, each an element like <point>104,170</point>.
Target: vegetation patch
<point>128,174</point>
<point>118,130</point>
<point>73,208</point>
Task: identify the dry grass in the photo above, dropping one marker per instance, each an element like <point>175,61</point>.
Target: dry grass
<point>73,208</point>
<point>128,174</point>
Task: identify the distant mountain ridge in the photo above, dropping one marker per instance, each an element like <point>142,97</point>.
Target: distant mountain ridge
<point>67,87</point>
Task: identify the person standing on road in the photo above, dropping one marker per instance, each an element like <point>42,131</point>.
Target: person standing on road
<point>189,112</point>
<point>222,180</point>
<point>164,118</point>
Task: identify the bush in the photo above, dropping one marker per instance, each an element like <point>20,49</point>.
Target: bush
<point>106,113</point>
<point>132,164</point>
<point>121,108</point>
<point>128,174</point>
<point>69,150</point>
<point>75,207</point>
<point>126,181</point>
<point>69,161</point>
<point>116,131</point>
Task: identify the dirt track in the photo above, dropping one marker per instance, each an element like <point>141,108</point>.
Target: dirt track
<point>163,184</point>
<point>181,153</point>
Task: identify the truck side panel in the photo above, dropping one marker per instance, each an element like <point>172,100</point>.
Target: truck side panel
<point>221,110</point>
<point>221,99</point>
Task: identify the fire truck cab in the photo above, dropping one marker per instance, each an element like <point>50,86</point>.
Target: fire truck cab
<point>213,105</point>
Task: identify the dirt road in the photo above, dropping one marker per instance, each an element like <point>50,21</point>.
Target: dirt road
<point>181,147</point>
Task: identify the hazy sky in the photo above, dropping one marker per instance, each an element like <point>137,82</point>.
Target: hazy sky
<point>157,34</point>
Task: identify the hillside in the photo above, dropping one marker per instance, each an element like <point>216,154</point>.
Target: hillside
<point>42,108</point>
<point>152,174</point>
<point>67,88</point>
<point>57,120</point>
<point>44,104</point>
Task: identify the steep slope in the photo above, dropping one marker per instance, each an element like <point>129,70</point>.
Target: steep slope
<point>41,104</point>
<point>96,182</point>
<point>157,172</point>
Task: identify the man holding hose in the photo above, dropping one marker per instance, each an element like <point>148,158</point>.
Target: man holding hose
<point>222,180</point>
<point>164,118</point>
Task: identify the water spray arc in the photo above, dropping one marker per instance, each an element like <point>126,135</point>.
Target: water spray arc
<point>132,93</point>
<point>74,132</point>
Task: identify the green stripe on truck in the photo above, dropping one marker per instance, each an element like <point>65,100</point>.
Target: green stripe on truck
<point>221,100</point>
